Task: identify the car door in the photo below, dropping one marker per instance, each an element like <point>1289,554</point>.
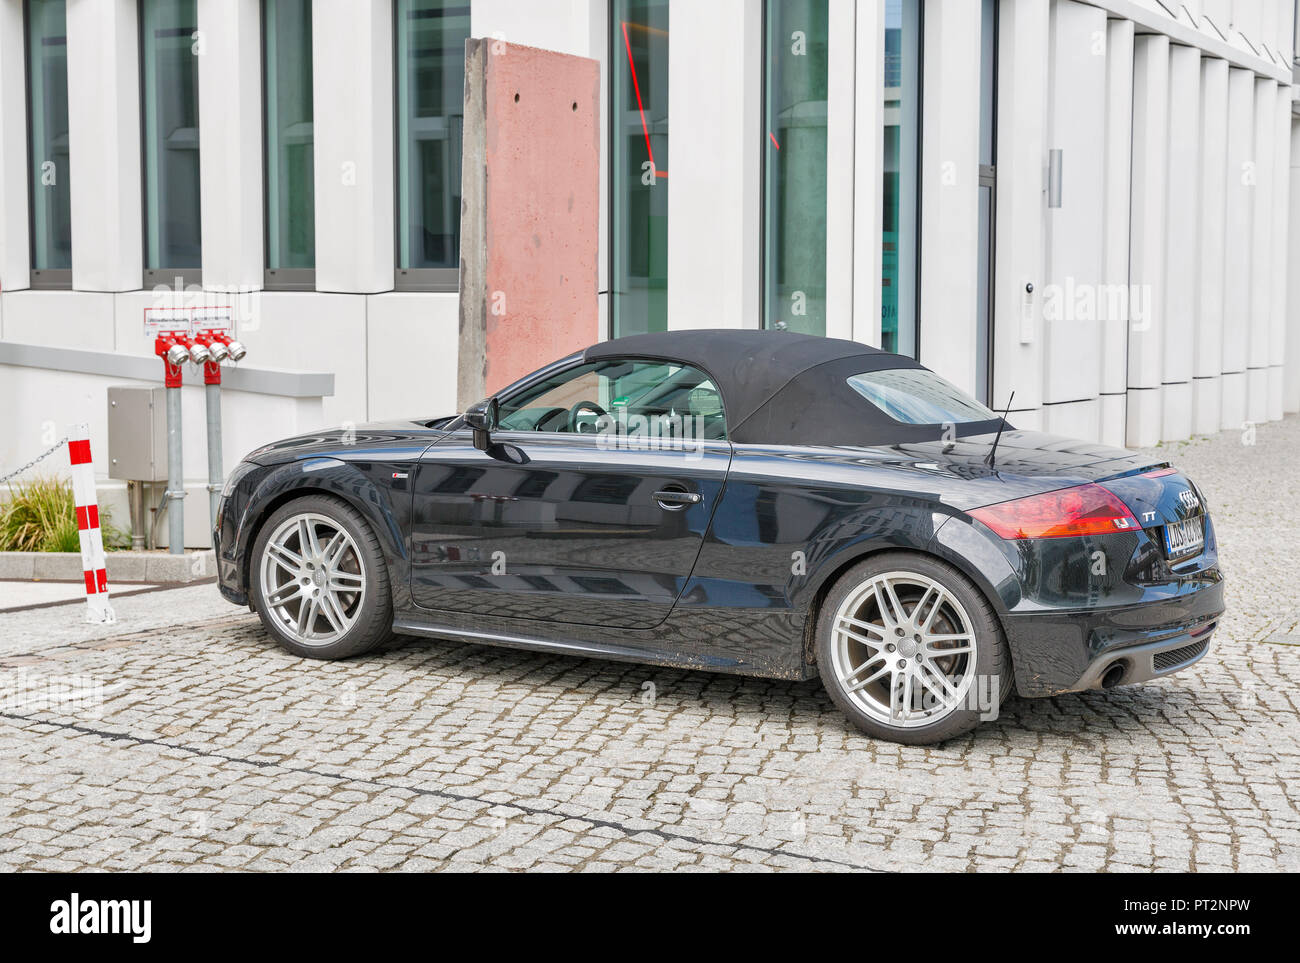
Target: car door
<point>589,506</point>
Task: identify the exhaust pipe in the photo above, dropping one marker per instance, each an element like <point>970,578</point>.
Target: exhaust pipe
<point>1113,675</point>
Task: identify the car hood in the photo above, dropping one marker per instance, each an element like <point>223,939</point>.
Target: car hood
<point>349,441</point>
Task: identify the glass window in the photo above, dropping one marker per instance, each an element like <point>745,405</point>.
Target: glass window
<point>430,65</point>
<point>794,171</point>
<point>621,397</point>
<point>290,164</point>
<point>639,121</point>
<point>901,171</point>
<point>168,45</point>
<point>47,80</point>
<point>916,396</point>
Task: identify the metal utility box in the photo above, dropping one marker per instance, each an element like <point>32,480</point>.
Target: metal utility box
<point>137,433</point>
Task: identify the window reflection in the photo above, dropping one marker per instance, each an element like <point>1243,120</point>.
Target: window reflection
<point>169,42</point>
<point>290,163</point>
<point>902,99</point>
<point>430,55</point>
<point>794,190</point>
<point>639,119</point>
<point>47,64</point>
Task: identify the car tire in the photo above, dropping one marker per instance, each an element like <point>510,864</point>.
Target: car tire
<point>869,644</point>
<point>348,598</point>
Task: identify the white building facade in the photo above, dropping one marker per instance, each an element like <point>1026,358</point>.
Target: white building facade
<point>1086,203</point>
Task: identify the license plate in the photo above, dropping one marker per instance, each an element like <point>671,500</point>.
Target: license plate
<point>1185,538</point>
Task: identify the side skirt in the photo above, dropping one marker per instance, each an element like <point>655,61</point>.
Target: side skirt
<point>582,649</point>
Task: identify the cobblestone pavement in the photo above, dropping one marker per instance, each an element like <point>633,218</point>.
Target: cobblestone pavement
<point>213,749</point>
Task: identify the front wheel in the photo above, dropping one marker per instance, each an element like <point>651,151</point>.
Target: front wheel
<point>319,580</point>
<point>910,650</point>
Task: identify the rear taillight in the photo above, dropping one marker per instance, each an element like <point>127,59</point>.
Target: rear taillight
<point>1084,510</point>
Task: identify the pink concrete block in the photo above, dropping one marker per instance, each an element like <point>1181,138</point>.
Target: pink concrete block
<point>530,216</point>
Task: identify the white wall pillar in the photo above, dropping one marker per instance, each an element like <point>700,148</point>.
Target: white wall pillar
<point>1240,206</point>
<point>1207,345</point>
<point>230,142</point>
<point>1291,346</point>
<point>1261,263</point>
<point>840,134</point>
<point>1278,252</point>
<point>950,191</point>
<point>1147,236</point>
<point>15,247</point>
<point>1115,246</point>
<point>104,115</point>
<point>715,76</point>
<point>352,88</point>
<point>868,165</point>
<point>1182,227</point>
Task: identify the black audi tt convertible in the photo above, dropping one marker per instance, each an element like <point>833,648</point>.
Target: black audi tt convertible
<point>763,503</point>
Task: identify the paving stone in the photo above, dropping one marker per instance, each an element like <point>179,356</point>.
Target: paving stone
<point>214,750</point>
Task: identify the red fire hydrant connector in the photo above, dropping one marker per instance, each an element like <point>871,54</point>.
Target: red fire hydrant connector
<point>174,351</point>
<point>217,352</point>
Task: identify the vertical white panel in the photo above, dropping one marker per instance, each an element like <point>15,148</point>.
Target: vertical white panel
<point>868,161</point>
<point>230,140</point>
<point>1278,251</point>
<point>715,196</point>
<point>1261,263</point>
<point>1147,236</point>
<point>840,95</point>
<point>1237,241</point>
<point>1119,153</point>
<point>104,111</point>
<point>1291,346</point>
<point>15,249</point>
<point>352,90</point>
<point>1207,348</point>
<point>1075,230</point>
<point>1023,30</point>
<point>1246,20</point>
<point>950,191</point>
<point>1183,210</point>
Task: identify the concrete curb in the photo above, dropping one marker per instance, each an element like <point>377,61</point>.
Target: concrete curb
<point>156,567</point>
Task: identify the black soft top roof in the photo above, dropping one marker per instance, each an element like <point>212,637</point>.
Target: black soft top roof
<point>781,388</point>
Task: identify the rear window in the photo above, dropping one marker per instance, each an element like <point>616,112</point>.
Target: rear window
<point>915,396</point>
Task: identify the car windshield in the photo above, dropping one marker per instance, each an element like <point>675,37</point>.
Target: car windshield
<point>915,396</point>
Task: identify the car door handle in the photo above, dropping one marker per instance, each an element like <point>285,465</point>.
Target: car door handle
<point>672,499</point>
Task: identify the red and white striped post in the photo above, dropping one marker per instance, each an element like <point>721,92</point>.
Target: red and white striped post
<point>92,543</point>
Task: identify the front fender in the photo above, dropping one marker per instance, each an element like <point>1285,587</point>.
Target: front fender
<point>385,508</point>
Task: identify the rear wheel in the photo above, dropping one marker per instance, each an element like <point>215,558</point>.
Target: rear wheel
<point>910,650</point>
<point>319,580</point>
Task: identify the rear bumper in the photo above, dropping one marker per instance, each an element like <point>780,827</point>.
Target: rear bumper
<point>1060,652</point>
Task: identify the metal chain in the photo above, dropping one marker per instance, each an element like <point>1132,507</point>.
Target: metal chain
<point>39,458</point>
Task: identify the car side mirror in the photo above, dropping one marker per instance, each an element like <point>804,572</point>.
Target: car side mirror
<point>481,418</point>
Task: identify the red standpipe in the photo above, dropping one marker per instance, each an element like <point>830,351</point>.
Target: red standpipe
<point>172,361</point>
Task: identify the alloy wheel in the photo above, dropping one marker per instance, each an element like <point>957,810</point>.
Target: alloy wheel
<point>312,580</point>
<point>903,649</point>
